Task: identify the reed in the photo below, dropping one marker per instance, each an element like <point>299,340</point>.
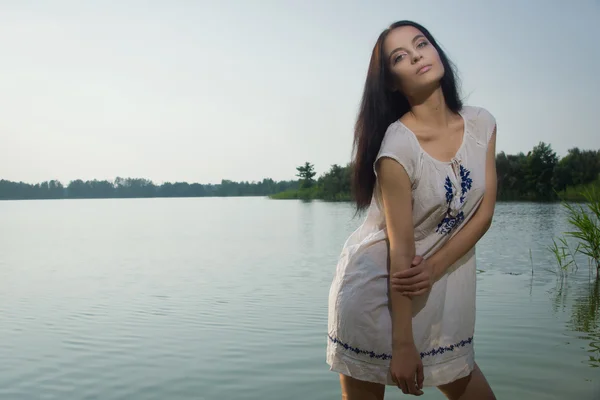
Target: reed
<point>584,222</point>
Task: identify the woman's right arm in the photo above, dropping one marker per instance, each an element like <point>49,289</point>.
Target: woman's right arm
<point>396,194</point>
<point>397,202</point>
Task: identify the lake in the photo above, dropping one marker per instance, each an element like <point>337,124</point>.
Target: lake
<point>226,298</point>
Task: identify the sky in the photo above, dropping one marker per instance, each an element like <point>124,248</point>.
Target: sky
<point>200,91</point>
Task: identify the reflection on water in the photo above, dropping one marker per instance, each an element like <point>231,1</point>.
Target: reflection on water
<point>581,300</point>
<point>585,318</point>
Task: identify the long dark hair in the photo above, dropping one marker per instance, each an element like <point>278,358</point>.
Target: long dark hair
<point>380,106</point>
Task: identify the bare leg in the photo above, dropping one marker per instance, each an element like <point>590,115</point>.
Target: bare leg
<point>353,389</point>
<point>472,387</point>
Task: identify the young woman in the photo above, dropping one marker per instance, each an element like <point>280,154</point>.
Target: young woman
<point>402,302</point>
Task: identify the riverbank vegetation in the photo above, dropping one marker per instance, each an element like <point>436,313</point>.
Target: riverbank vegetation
<point>539,175</point>
<point>584,231</point>
<point>137,188</point>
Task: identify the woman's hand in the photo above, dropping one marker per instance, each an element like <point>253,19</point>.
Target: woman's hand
<point>416,280</point>
<point>406,369</point>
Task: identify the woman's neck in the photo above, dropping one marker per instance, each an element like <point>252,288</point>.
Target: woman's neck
<point>431,110</point>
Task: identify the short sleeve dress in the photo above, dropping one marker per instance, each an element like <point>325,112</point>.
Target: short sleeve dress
<point>445,196</point>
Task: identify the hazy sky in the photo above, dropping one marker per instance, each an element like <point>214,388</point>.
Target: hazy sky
<point>242,90</point>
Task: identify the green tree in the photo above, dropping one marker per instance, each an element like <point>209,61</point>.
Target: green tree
<point>541,162</point>
<point>77,189</point>
<point>135,188</point>
<point>306,173</point>
<point>510,170</point>
<point>335,184</point>
<point>578,167</point>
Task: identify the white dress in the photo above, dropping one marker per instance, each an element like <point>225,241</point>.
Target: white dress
<point>445,196</point>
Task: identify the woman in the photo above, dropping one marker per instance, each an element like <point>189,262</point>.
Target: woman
<point>424,168</point>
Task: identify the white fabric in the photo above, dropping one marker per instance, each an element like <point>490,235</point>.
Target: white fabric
<point>445,196</point>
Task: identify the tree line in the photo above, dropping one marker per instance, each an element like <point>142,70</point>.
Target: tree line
<point>542,175</point>
<point>539,175</point>
<point>333,185</point>
<point>135,187</point>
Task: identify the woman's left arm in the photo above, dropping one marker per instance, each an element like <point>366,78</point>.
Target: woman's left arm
<point>477,226</point>
<point>419,279</point>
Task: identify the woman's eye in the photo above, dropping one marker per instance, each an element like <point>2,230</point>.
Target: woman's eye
<point>422,44</point>
<point>398,58</point>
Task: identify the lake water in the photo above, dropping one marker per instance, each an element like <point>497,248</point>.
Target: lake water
<point>226,298</point>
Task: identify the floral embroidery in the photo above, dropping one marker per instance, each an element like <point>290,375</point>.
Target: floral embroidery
<point>465,182</point>
<point>371,354</point>
<point>449,223</point>
<point>384,356</point>
<point>443,349</point>
<point>448,187</point>
<point>453,219</point>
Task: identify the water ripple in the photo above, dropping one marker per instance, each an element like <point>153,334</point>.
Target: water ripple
<point>124,304</point>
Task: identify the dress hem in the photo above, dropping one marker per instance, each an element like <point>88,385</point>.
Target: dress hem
<point>435,375</point>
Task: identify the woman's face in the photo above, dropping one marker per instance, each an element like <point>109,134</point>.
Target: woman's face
<point>413,61</point>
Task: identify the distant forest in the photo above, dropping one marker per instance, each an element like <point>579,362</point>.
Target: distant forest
<point>135,187</point>
<point>539,175</point>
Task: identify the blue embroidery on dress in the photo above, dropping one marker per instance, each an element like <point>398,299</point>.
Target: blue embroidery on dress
<point>384,356</point>
<point>452,221</point>
<point>448,187</point>
<point>465,182</point>
<point>443,349</point>
<point>371,354</point>
<point>449,223</point>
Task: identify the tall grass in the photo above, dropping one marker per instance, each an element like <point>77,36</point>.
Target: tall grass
<point>564,256</point>
<point>584,221</point>
<point>577,193</point>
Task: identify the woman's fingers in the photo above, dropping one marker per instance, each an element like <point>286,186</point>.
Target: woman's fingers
<point>418,292</point>
<point>412,387</point>
<point>407,273</point>
<point>422,285</point>
<point>420,376</point>
<point>403,386</point>
<point>401,383</point>
<point>409,281</point>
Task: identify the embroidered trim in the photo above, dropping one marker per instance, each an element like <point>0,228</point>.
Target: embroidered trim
<point>443,349</point>
<point>384,356</point>
<point>371,354</point>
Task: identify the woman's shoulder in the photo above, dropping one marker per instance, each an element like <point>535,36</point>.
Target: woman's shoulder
<point>396,128</point>
<point>480,120</point>
<point>477,113</point>
<point>398,136</point>
<point>398,144</point>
